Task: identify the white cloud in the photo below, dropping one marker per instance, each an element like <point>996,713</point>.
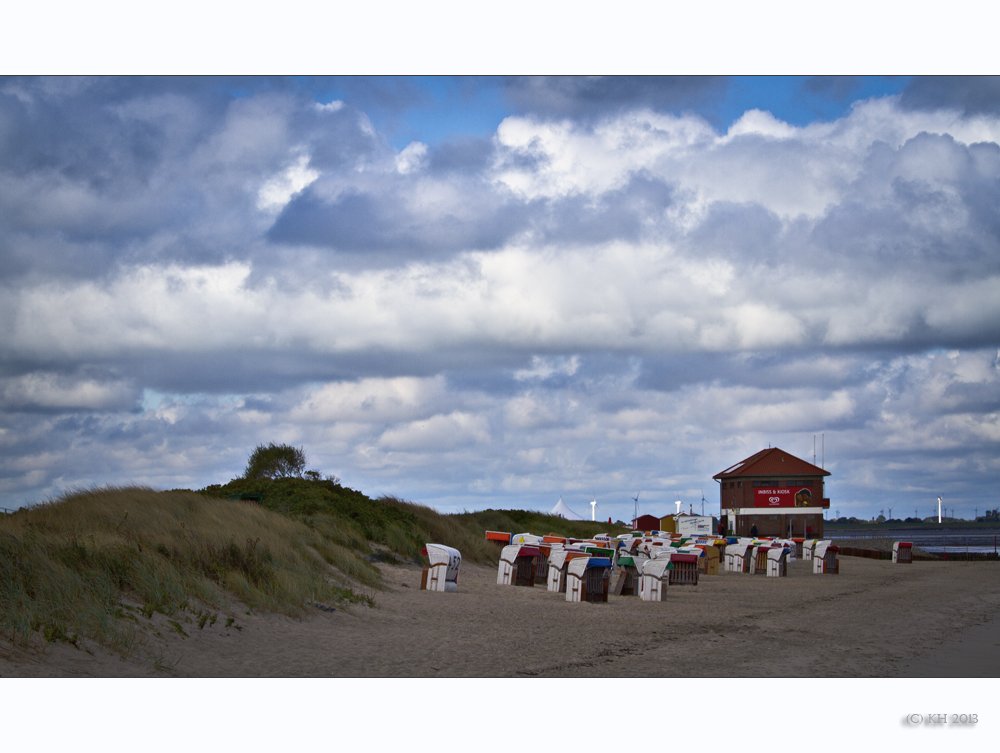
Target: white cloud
<point>276,192</point>
<point>411,158</point>
<point>543,368</point>
<point>437,433</point>
<point>47,390</point>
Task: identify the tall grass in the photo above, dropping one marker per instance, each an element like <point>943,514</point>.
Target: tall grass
<point>69,567</point>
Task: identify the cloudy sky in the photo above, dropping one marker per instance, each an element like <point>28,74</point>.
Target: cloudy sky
<point>492,292</point>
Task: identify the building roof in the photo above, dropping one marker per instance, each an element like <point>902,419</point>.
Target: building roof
<point>773,462</point>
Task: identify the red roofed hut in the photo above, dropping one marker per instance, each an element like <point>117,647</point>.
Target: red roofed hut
<point>780,494</point>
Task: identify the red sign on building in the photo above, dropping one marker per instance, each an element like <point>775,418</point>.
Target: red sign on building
<point>795,496</point>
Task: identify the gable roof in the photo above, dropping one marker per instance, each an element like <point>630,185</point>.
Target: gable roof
<point>773,462</point>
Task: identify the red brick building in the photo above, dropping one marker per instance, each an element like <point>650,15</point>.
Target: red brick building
<point>777,492</point>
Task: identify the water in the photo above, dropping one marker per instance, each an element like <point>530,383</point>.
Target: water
<point>937,540</point>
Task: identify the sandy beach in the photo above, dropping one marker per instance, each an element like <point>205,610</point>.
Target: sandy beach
<point>874,619</point>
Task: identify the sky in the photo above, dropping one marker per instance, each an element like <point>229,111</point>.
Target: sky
<point>482,292</point>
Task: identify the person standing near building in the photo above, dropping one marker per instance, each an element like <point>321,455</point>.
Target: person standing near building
<point>753,530</point>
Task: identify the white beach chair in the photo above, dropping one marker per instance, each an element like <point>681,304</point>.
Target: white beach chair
<point>776,562</point>
<point>824,558</point>
<point>442,572</point>
<point>575,583</point>
<point>735,554</point>
<point>508,562</point>
<point>656,577</point>
<point>902,552</point>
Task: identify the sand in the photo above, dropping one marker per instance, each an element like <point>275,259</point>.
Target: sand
<point>874,619</point>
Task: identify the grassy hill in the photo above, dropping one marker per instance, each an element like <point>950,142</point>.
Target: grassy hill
<point>92,565</point>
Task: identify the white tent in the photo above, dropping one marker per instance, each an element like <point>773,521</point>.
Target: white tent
<point>564,512</point>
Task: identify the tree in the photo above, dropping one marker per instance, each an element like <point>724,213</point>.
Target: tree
<point>275,461</point>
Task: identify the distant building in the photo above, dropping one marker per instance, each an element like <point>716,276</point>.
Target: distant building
<point>688,525</point>
<point>775,491</point>
<point>646,523</point>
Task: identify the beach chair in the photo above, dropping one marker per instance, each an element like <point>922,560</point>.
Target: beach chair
<point>525,538</point>
<point>824,558</point>
<point>808,547</point>
<point>558,559</point>
<point>736,557</point>
<point>518,563</point>
<point>710,560</point>
<point>628,575</point>
<point>542,565</point>
<point>442,572</point>
<point>685,569</point>
<point>588,579</point>
<point>777,558</point>
<point>498,538</point>
<point>798,547</point>
<point>758,559</point>
<point>656,577</point>
<point>902,552</point>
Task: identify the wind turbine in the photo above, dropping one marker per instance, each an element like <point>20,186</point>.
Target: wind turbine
<point>593,509</point>
<point>939,509</point>
<point>678,503</point>
<point>635,514</point>
<point>702,501</point>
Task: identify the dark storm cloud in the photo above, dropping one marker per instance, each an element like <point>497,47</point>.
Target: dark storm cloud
<point>747,233</point>
<point>598,96</point>
<point>461,155</point>
<point>622,214</point>
<point>971,95</point>
<point>382,222</point>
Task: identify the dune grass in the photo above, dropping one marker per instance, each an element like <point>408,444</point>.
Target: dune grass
<point>70,568</point>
